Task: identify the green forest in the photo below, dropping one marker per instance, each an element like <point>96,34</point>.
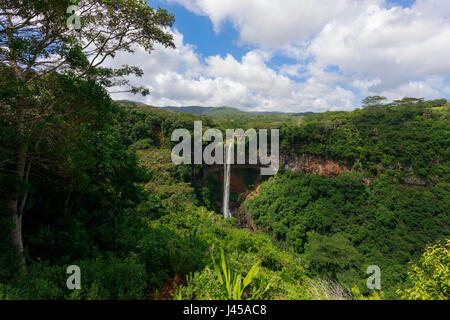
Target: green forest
<point>87,180</point>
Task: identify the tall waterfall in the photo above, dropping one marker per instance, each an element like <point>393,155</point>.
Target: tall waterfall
<point>226,179</point>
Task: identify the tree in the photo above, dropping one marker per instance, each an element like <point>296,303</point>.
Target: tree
<point>436,103</point>
<point>330,255</point>
<point>407,101</point>
<point>35,43</point>
<point>373,100</point>
<point>431,276</point>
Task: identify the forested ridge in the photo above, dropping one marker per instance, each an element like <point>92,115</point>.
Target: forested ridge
<point>405,136</point>
<point>88,181</point>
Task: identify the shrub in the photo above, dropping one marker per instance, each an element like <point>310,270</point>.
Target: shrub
<point>101,279</point>
<point>221,283</point>
<point>232,283</point>
<point>8,292</point>
<point>431,276</point>
<point>166,254</point>
<point>111,278</point>
<point>143,144</point>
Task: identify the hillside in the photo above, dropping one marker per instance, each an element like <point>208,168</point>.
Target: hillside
<point>391,179</point>
<point>223,117</point>
<point>109,199</point>
<point>169,217</point>
<point>224,112</point>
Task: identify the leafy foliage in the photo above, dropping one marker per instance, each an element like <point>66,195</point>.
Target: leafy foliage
<point>409,138</point>
<point>233,284</point>
<point>341,226</point>
<point>431,277</point>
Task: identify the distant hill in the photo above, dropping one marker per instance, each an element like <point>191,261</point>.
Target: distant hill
<point>166,113</point>
<point>222,116</point>
<point>227,112</point>
<point>193,109</point>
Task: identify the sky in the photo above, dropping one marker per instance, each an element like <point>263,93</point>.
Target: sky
<point>296,55</point>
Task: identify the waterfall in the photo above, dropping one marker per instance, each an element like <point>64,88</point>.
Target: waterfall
<point>226,179</point>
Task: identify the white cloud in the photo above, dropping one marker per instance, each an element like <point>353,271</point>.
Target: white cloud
<point>181,78</point>
<point>275,23</point>
<point>364,85</point>
<point>338,44</point>
<point>394,45</point>
<point>431,88</point>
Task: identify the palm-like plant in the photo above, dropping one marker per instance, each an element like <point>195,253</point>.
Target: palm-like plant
<point>233,283</point>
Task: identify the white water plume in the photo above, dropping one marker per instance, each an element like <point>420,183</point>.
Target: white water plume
<point>227,178</point>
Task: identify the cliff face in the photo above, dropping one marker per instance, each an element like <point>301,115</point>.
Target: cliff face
<point>241,180</point>
<point>310,164</point>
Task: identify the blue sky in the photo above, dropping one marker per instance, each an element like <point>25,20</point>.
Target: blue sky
<point>403,3</point>
<point>291,56</point>
<point>198,30</point>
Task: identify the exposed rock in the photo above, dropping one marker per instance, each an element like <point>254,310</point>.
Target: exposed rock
<point>309,164</point>
<point>244,219</point>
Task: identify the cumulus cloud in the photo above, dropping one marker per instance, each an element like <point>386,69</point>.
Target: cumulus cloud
<point>274,23</point>
<point>431,88</point>
<point>345,50</point>
<point>180,77</point>
<point>393,45</point>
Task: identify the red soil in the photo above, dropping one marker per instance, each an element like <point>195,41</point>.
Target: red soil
<point>168,288</point>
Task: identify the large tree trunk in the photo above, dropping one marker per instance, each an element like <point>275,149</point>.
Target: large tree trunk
<point>13,202</point>
<point>16,232</point>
